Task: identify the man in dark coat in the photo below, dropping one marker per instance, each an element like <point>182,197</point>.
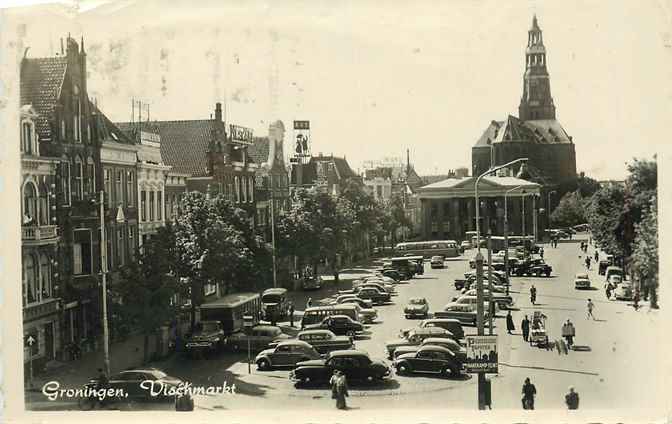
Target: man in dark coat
<point>572,399</point>
<point>529,392</point>
<point>525,326</point>
<point>509,323</point>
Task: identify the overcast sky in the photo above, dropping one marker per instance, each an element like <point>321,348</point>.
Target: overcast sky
<point>376,78</point>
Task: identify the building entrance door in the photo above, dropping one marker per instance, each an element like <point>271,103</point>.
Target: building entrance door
<point>49,341</point>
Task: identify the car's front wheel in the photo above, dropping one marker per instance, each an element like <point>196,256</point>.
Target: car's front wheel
<point>351,334</point>
<point>403,368</point>
<point>263,365</point>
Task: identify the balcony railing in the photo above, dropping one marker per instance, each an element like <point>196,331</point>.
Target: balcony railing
<point>38,310</point>
<point>39,233</point>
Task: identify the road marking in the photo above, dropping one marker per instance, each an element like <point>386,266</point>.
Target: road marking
<point>548,369</point>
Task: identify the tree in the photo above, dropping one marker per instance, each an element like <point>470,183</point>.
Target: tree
<point>605,214</point>
<point>570,211</point>
<point>645,252</point>
<point>147,286</point>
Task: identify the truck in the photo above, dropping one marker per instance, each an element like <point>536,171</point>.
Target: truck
<point>219,319</point>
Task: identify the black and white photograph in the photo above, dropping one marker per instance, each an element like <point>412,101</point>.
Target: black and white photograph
<point>335,211</point>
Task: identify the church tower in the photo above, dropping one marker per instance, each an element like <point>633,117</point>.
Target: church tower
<point>536,102</point>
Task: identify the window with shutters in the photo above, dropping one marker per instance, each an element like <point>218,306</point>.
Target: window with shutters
<point>130,189</point>
<point>120,188</point>
<point>79,179</point>
<point>81,252</point>
<point>159,206</point>
<point>143,206</point>
<point>151,206</point>
<point>90,176</point>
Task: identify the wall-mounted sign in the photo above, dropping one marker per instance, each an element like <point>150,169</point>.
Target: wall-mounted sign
<point>481,354</point>
<point>240,134</point>
<point>302,138</point>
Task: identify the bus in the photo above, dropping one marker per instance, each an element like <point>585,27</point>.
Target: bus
<point>427,249</point>
<point>230,309</point>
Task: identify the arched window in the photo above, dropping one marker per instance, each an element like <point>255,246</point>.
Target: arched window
<point>30,279</point>
<point>28,138</point>
<point>29,204</point>
<point>79,178</point>
<point>43,205</point>
<point>45,277</point>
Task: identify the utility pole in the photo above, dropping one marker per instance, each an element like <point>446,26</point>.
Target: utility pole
<point>491,309</point>
<point>275,278</point>
<point>103,271</point>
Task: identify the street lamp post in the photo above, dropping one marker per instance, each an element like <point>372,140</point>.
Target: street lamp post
<point>548,208</point>
<point>275,278</point>
<point>103,271</point>
<point>479,275</point>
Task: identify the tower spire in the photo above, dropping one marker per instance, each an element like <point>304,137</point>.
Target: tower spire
<point>536,102</point>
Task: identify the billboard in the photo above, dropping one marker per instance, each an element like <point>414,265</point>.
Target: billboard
<point>482,354</point>
<point>302,138</point>
<point>240,134</point>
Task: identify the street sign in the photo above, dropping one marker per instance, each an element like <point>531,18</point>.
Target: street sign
<point>482,354</point>
<point>29,340</point>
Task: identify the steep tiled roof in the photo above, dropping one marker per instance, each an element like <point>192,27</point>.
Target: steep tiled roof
<point>343,168</point>
<point>259,150</point>
<point>41,82</point>
<point>184,144</point>
<point>131,128</point>
<point>308,175</point>
<point>109,131</point>
<point>542,131</point>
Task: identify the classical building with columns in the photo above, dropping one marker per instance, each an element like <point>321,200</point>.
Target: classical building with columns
<point>448,207</point>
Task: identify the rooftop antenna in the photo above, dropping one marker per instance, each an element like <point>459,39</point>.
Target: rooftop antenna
<point>132,110</point>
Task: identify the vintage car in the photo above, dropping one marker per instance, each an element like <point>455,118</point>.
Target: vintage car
<point>258,338</point>
<point>130,381</point>
<point>325,341</point>
<point>392,273</point>
<point>464,245</point>
<point>534,268</point>
<point>364,303</point>
<point>373,294</point>
<point>207,337</point>
<point>451,325</point>
<point>436,262</point>
<point>415,337</point>
<point>416,307</point>
<point>365,315</point>
<point>624,291</point>
<point>311,283</point>
<point>380,285</point>
<point>449,344</point>
<point>429,359</point>
<point>338,324</point>
<point>502,300</point>
<point>463,312</point>
<point>356,365</point>
<point>613,270</point>
<point>581,281</point>
<point>285,354</point>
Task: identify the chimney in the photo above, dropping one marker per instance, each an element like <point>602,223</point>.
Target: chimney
<point>218,112</point>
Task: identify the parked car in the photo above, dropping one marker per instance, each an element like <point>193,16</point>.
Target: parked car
<point>364,303</point>
<point>502,300</point>
<point>417,306</point>
<point>581,281</point>
<point>451,325</point>
<point>355,364</point>
<point>458,349</point>
<point>436,262</point>
<point>364,315</point>
<point>415,337</point>
<point>463,312</point>
<point>208,337</point>
<point>325,341</point>
<point>465,245</point>
<point>286,354</point>
<point>130,381</point>
<point>392,273</point>
<point>258,337</point>
<point>373,294</point>
<point>381,286</point>
<point>624,291</point>
<point>534,268</point>
<point>613,270</point>
<point>311,283</point>
<point>429,359</point>
<point>338,324</point>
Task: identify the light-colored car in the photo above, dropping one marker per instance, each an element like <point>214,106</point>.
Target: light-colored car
<point>624,291</point>
<point>436,262</point>
<point>365,303</point>
<point>286,354</point>
<point>581,281</point>
<point>465,245</point>
<point>472,301</point>
<point>416,307</point>
<point>502,300</point>
<point>415,337</point>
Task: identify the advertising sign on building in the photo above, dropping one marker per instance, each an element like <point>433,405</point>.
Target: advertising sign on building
<point>481,354</point>
<point>302,138</point>
<point>240,134</point>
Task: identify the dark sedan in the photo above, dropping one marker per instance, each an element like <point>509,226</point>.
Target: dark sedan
<point>139,383</point>
<point>338,324</point>
<point>355,364</point>
<point>429,359</point>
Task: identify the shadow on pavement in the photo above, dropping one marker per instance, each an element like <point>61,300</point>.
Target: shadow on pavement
<point>581,348</point>
<point>387,384</point>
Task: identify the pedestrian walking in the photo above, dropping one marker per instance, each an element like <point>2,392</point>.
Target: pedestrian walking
<point>608,289</point>
<point>533,294</point>
<point>509,323</point>
<point>291,314</point>
<point>572,399</point>
<point>597,256</point>
<point>635,300</point>
<point>587,262</point>
<point>309,303</point>
<point>529,392</point>
<point>525,327</point>
<point>541,253</point>
<point>339,389</point>
<point>590,306</point>
<point>568,332</point>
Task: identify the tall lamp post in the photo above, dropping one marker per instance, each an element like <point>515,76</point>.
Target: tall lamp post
<point>275,277</point>
<point>479,275</point>
<point>103,271</point>
<point>548,207</point>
